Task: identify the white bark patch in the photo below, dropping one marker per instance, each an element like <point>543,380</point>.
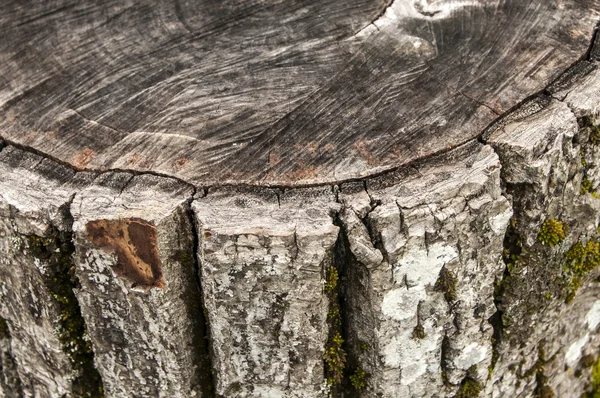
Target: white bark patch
<point>593,316</point>
<point>500,222</point>
<point>400,304</point>
<point>574,352</point>
<point>422,267</point>
<point>471,355</point>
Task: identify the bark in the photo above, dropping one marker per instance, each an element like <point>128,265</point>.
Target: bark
<point>435,237</point>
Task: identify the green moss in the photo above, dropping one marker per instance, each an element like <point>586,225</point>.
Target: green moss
<point>446,283</point>
<point>586,187</point>
<point>358,379</point>
<point>580,260</point>
<point>469,388</point>
<point>419,332</point>
<point>56,251</point>
<point>552,232</point>
<point>335,355</point>
<point>593,389</point>
<point>583,161</point>
<point>335,359</point>
<point>363,346</point>
<point>331,281</point>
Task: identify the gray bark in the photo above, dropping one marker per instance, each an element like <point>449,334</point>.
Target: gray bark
<point>406,235</point>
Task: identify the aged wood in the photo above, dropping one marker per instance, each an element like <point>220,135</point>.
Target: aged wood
<point>450,249</point>
<point>273,92</point>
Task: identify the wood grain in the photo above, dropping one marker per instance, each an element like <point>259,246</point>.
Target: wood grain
<point>271,92</point>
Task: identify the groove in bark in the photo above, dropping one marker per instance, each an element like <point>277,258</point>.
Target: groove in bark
<point>545,165</point>
<point>55,249</point>
<point>195,303</point>
<point>10,383</point>
<point>335,357</point>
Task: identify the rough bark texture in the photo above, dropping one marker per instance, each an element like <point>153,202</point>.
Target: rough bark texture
<point>264,265</point>
<point>421,302</point>
<point>470,269</point>
<point>138,294</point>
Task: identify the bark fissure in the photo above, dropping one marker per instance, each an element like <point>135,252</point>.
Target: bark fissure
<point>10,383</point>
<point>56,250</point>
<point>338,376</point>
<point>202,336</point>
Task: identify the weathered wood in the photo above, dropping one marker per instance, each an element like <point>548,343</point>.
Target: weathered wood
<point>421,304</point>
<point>273,93</point>
<point>135,262</point>
<point>38,312</point>
<point>265,262</point>
<point>467,269</point>
<point>546,159</point>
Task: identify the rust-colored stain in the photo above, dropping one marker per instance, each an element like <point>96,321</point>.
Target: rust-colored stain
<point>363,151</point>
<point>135,243</point>
<point>273,159</point>
<point>179,163</point>
<point>84,157</point>
<point>133,159</point>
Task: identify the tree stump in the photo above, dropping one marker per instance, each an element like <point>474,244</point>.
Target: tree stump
<point>299,199</point>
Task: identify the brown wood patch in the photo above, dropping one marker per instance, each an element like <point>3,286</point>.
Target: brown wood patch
<point>135,243</point>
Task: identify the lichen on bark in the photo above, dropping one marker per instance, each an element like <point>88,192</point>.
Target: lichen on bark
<point>55,250</point>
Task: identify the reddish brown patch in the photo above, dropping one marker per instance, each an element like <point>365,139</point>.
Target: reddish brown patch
<point>83,158</point>
<point>273,159</point>
<point>135,243</point>
<point>329,147</point>
<point>364,152</point>
<point>179,163</point>
<point>27,138</point>
<point>133,159</point>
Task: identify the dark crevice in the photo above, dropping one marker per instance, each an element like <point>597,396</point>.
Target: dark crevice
<point>355,314</point>
<point>593,53</point>
<point>10,383</point>
<point>445,360</point>
<point>336,357</point>
<point>56,250</point>
<point>202,338</point>
<point>512,250</point>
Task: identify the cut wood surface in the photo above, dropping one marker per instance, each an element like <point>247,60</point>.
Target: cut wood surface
<point>273,93</point>
<point>299,199</point>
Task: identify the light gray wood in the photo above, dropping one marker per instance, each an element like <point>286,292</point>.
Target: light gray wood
<point>446,216</point>
<point>273,93</point>
<point>462,125</point>
<point>265,262</point>
<point>34,193</point>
